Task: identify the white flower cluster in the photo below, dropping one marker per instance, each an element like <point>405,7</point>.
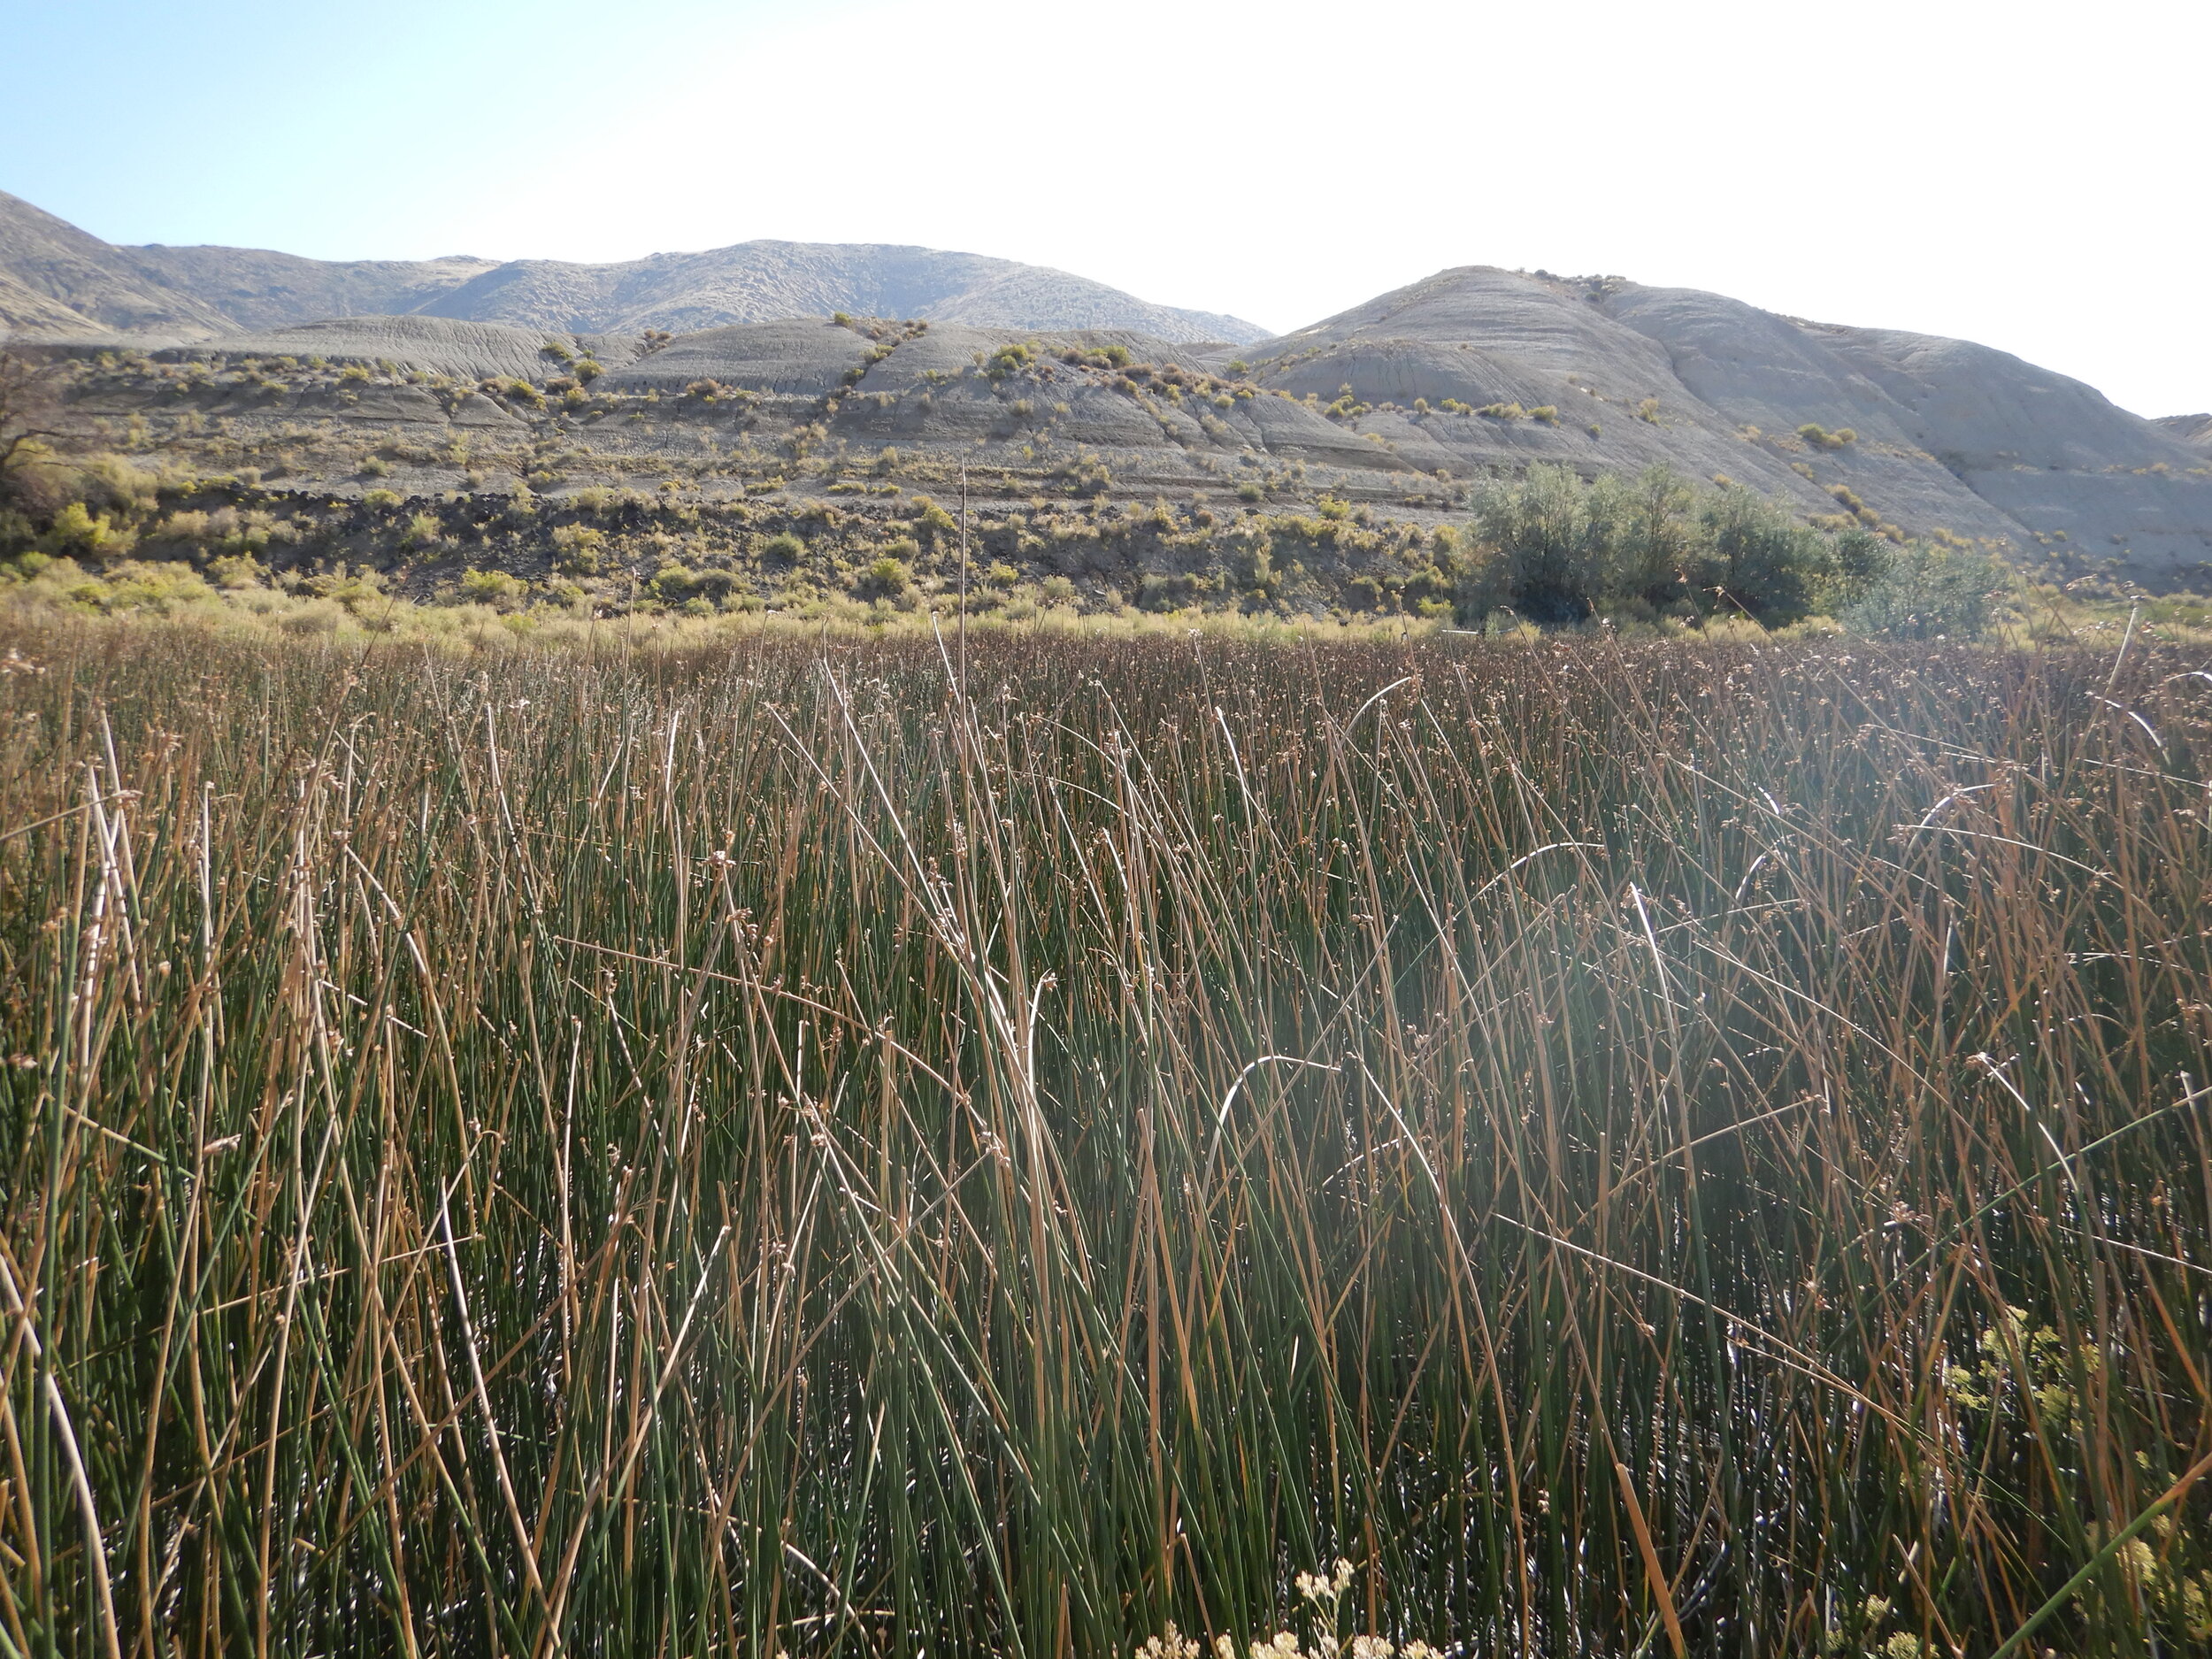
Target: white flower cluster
<point>1323,1591</point>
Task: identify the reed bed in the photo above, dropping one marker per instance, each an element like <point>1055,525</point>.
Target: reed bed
<point>1636,1148</point>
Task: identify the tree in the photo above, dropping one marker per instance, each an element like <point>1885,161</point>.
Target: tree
<point>1755,558</point>
<point>30,424</point>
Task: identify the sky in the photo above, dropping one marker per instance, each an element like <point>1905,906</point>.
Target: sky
<point>2027,174</point>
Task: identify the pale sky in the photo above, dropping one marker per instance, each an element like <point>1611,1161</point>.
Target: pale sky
<point>2031,176</point>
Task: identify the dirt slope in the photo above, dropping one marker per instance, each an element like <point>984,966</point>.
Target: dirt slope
<point>187,293</point>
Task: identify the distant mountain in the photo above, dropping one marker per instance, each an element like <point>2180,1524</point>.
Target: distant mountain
<point>56,279</point>
<point>192,293</point>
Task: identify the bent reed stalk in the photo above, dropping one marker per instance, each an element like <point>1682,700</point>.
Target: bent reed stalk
<point>1638,1149</point>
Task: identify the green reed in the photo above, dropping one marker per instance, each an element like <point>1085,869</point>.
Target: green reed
<point>1638,1149</point>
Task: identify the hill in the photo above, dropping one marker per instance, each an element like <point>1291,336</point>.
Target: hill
<point>1032,376</point>
<point>2193,430</point>
<point>192,293</point>
<point>1945,435</point>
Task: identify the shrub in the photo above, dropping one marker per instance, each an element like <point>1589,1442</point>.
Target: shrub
<point>79,532</point>
<point>783,549</point>
<point>1085,476</point>
<point>579,550</point>
<point>236,571</point>
<point>1756,557</point>
<point>1929,592</point>
<point>696,591</point>
<point>1857,561</point>
<point>496,589</point>
<point>380,499</point>
<point>1546,413</point>
<point>1553,549</point>
<point>1503,412</point>
<point>1172,590</point>
<point>1008,359</point>
<point>885,579</point>
<point>1820,438</point>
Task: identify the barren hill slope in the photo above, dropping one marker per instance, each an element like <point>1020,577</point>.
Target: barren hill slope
<point>761,282</point>
<point>81,285</point>
<point>2193,430</point>
<point>1945,435</point>
<point>192,293</point>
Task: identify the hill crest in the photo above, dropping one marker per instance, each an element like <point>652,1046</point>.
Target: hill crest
<point>195,293</point>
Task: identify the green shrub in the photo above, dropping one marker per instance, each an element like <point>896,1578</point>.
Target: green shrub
<point>579,550</point>
<point>1820,438</point>
<point>696,591</point>
<point>1172,590</point>
<point>1755,558</point>
<point>885,578</point>
<point>1930,593</point>
<point>497,588</point>
<point>1552,549</point>
<point>237,571</point>
<point>1085,476</point>
<point>783,549</point>
<point>78,532</point>
<point>380,499</point>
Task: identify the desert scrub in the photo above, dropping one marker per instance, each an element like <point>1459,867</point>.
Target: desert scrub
<point>1819,438</point>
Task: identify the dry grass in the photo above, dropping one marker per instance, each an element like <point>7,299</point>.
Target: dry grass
<point>1636,1147</point>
